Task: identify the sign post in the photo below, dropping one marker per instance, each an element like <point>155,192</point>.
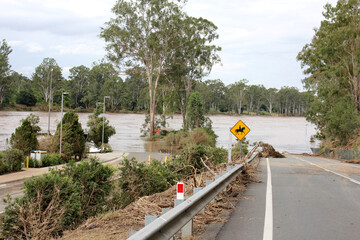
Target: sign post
<point>240,130</point>
<point>229,147</point>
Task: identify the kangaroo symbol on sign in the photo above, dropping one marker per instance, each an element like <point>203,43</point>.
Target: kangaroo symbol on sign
<point>240,130</point>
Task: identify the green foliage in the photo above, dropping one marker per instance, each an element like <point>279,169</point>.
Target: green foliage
<point>73,140</point>
<point>26,98</point>
<point>5,81</point>
<point>58,201</point>
<point>145,130</point>
<point>33,163</point>
<point>50,205</point>
<point>235,151</point>
<point>190,159</point>
<point>95,125</point>
<point>11,160</point>
<point>139,179</point>
<point>331,63</point>
<point>24,137</point>
<point>52,159</point>
<point>196,111</point>
<point>95,186</point>
<point>202,136</point>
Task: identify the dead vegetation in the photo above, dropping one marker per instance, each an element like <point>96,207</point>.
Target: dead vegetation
<point>352,161</point>
<point>269,151</point>
<point>117,224</point>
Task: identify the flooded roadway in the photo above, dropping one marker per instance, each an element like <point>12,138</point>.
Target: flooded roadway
<point>291,134</point>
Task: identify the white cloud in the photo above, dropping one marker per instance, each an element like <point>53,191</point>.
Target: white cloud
<point>15,43</point>
<point>34,47</point>
<point>260,38</point>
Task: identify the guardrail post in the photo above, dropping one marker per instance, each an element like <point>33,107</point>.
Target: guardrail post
<point>196,190</point>
<point>149,219</point>
<point>163,211</point>
<point>132,232</point>
<point>186,230</point>
<point>208,182</point>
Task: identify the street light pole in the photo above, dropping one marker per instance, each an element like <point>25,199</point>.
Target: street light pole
<point>102,141</point>
<point>61,120</point>
<point>49,102</point>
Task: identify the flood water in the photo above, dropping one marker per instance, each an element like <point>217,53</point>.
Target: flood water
<point>291,134</point>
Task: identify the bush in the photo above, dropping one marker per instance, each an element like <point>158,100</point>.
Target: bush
<point>95,185</point>
<point>73,140</point>
<point>24,137</point>
<point>26,98</point>
<point>198,136</point>
<point>235,152</point>
<point>158,177</point>
<point>50,205</point>
<point>58,201</point>
<point>33,163</point>
<point>12,159</point>
<point>52,159</point>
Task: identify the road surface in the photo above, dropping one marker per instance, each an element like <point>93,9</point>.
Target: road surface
<point>299,198</point>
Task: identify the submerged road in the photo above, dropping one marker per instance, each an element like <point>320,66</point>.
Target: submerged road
<point>299,198</point>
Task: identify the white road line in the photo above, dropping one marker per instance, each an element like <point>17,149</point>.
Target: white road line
<point>328,170</point>
<point>268,223</point>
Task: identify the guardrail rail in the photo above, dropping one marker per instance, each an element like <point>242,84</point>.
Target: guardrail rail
<point>168,224</point>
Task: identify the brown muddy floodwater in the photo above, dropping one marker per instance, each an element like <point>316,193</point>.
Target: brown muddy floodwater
<point>291,134</point>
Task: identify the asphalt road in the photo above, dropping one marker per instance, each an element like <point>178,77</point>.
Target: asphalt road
<point>299,198</point>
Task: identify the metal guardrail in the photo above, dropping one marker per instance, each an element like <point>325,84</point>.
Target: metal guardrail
<point>168,224</point>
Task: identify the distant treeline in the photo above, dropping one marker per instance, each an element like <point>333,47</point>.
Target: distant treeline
<point>87,87</point>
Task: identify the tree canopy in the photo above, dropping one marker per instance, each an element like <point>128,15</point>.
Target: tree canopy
<point>332,64</point>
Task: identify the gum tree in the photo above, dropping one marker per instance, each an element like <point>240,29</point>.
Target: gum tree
<point>5,51</point>
<point>141,35</point>
<point>332,65</point>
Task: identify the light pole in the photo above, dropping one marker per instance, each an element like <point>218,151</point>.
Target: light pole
<point>61,120</point>
<point>102,141</point>
<point>49,102</point>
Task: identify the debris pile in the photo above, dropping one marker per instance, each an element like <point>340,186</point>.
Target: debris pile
<point>269,151</point>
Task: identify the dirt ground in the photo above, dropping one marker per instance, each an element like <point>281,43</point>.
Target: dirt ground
<point>117,224</point>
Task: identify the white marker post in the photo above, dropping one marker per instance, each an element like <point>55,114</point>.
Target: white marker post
<point>180,191</point>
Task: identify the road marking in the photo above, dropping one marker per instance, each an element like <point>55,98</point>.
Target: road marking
<point>268,223</point>
<point>328,170</point>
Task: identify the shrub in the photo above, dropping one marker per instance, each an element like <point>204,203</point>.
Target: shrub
<point>202,136</point>
<point>24,137</point>
<point>26,98</point>
<point>198,136</point>
<point>52,159</point>
<point>73,140</point>
<point>95,125</point>
<point>3,167</point>
<point>57,201</point>
<point>33,163</point>
<point>13,159</point>
<point>235,152</point>
<point>94,181</point>
<point>51,204</point>
<point>158,177</point>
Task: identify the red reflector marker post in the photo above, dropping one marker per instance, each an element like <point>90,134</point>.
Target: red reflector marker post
<point>180,191</point>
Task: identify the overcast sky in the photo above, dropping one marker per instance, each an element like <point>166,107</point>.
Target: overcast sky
<point>260,38</point>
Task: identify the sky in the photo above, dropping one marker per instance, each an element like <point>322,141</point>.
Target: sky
<point>260,39</point>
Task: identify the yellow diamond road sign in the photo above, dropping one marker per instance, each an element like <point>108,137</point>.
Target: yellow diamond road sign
<point>240,130</point>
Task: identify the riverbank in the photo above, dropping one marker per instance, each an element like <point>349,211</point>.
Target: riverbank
<point>57,108</point>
